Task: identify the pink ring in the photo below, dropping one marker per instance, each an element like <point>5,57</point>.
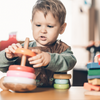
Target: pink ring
<point>21,74</point>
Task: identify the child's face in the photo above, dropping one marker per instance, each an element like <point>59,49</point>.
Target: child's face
<point>45,29</point>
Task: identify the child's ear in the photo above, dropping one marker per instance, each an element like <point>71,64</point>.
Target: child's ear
<point>62,29</point>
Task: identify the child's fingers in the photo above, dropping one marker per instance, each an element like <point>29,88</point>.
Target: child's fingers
<point>13,47</point>
<point>7,50</point>
<point>36,61</point>
<point>11,50</point>
<point>39,56</point>
<point>37,65</point>
<point>19,45</point>
<point>37,51</point>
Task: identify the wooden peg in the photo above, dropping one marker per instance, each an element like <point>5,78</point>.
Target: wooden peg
<point>23,60</point>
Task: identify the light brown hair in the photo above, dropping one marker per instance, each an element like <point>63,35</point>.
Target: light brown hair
<point>54,6</point>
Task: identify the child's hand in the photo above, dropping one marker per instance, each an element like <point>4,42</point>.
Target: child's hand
<point>10,51</point>
<point>41,59</point>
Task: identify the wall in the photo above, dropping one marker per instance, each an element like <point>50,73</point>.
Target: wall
<point>97,20</point>
<point>80,32</point>
<point>85,27</point>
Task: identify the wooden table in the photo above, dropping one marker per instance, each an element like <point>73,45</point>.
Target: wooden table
<point>74,93</point>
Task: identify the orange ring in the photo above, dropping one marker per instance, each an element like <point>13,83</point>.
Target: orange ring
<point>21,68</point>
<point>26,52</point>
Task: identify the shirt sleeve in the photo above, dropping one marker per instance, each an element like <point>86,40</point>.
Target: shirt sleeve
<point>62,62</point>
<point>4,62</point>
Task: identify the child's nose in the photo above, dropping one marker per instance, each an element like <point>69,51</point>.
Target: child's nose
<point>43,30</point>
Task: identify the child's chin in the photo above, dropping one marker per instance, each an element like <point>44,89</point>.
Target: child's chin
<point>44,43</point>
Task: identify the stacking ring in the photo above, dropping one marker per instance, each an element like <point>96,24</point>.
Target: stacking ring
<point>61,86</point>
<point>21,68</point>
<point>21,74</point>
<point>62,76</point>
<point>61,81</point>
<point>19,84</point>
<point>19,80</point>
<point>24,51</point>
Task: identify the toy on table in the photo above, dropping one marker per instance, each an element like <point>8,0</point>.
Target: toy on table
<point>21,78</point>
<point>5,43</point>
<point>93,77</point>
<point>61,81</point>
<point>93,47</point>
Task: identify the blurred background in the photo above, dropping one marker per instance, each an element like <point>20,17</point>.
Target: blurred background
<point>82,32</point>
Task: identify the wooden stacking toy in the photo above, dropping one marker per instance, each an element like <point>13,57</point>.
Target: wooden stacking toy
<point>21,78</point>
<point>61,81</point>
<point>93,77</point>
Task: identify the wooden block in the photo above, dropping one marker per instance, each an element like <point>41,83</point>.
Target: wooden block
<point>94,93</point>
<point>94,81</point>
<point>93,65</point>
<point>91,87</point>
<point>92,77</point>
<point>93,72</point>
<point>62,76</point>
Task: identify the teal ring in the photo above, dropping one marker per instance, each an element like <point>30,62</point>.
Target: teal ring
<point>61,81</point>
<point>61,86</point>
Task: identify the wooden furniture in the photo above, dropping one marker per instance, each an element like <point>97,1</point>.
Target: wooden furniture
<point>74,93</point>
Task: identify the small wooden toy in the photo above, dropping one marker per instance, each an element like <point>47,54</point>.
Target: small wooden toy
<point>97,58</point>
<point>2,86</point>
<point>21,74</point>
<point>61,86</point>
<point>22,68</point>
<point>94,81</point>
<point>93,84</point>
<point>61,81</point>
<point>21,78</point>
<point>91,87</point>
<point>62,76</point>
<point>93,77</point>
<point>93,65</point>
<point>92,72</point>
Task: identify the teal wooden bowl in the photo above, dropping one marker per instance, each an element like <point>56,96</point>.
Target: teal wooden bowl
<point>61,81</point>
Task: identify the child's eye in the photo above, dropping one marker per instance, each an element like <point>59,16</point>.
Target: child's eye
<point>50,26</point>
<point>38,25</point>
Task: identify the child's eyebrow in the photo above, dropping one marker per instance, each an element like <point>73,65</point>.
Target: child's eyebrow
<point>36,22</point>
<point>51,24</point>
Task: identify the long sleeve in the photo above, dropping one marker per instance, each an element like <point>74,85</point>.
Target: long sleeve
<point>62,62</point>
<point>59,62</point>
<point>4,62</point>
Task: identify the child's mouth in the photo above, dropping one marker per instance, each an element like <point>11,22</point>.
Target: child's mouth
<point>43,38</point>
